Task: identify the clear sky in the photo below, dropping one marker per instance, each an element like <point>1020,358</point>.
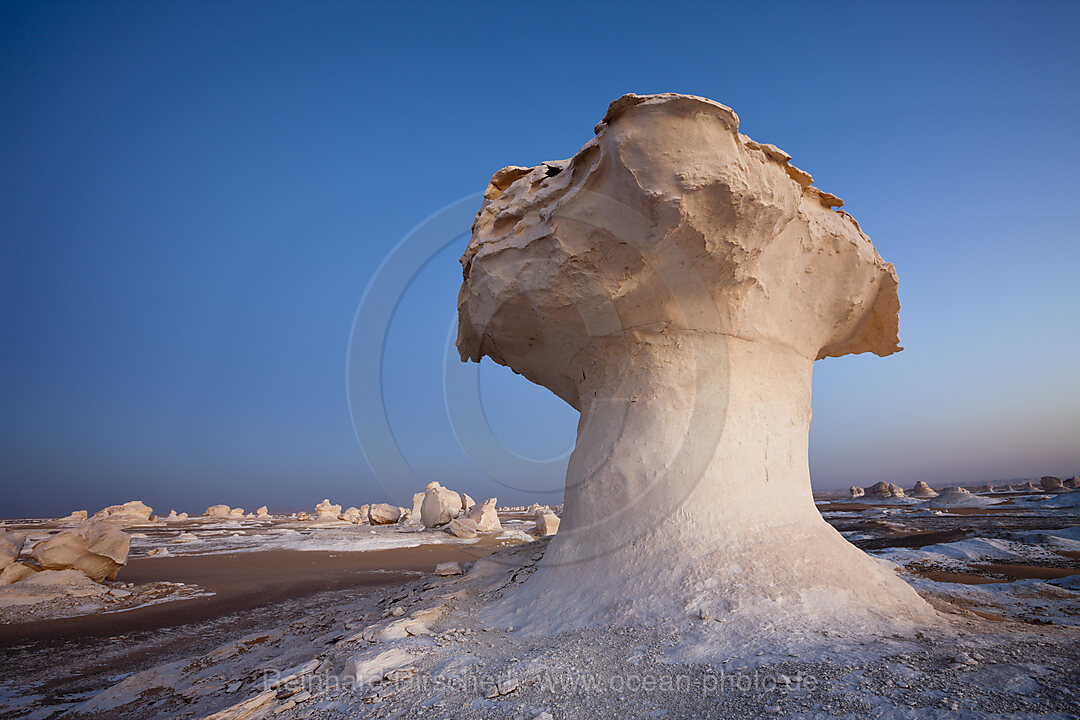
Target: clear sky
<point>195,196</point>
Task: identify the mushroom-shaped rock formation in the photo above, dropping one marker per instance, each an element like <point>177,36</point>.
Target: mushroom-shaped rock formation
<point>923,490</point>
<point>885,490</point>
<point>675,281</point>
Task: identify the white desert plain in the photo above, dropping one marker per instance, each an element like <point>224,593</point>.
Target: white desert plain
<point>674,281</point>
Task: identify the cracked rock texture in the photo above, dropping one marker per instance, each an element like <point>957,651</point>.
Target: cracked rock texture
<point>675,281</point>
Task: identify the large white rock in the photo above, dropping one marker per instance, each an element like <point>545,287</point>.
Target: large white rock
<point>417,503</point>
<point>75,516</point>
<point>674,282</point>
<point>262,512</point>
<point>384,514</point>
<point>218,511</point>
<point>134,512</point>
<point>440,505</point>
<point>485,517</point>
<point>98,549</point>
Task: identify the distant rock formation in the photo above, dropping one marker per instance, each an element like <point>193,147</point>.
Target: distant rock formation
<point>674,282</point>
<point>923,490</point>
<point>353,515</point>
<point>885,490</point>
<point>1052,484</point>
<point>219,512</point>
<point>173,516</point>
<point>955,496</point>
<point>856,492</point>
<point>262,512</point>
<point>75,516</point>
<point>134,512</point>
<point>1027,487</point>
<point>1073,482</point>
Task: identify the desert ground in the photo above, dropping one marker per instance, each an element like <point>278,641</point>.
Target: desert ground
<point>246,617</point>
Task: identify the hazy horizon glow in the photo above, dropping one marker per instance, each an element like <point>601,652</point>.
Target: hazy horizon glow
<point>196,196</point>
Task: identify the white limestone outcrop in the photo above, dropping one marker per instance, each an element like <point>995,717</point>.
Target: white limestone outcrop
<point>884,490</point>
<point>674,282</point>
<point>219,512</point>
<point>384,514</point>
<point>922,490</point>
<point>486,517</point>
<point>326,511</point>
<point>134,512</point>
<point>11,544</point>
<point>98,549</point>
<point>440,505</point>
<point>855,491</point>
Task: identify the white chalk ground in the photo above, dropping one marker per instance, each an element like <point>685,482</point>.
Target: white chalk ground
<point>426,649</point>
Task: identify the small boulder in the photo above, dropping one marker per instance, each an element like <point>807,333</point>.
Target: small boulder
<point>236,513</point>
<point>547,522</point>
<point>352,514</point>
<point>485,517</point>
<point>448,568</point>
<point>384,514</point>
<point>221,512</point>
<point>15,572</point>
<point>921,489</point>
<point>1072,483</point>
<point>462,527</point>
<point>262,513</point>
<point>855,491</point>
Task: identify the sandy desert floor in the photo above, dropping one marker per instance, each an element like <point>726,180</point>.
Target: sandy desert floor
<point>243,622</point>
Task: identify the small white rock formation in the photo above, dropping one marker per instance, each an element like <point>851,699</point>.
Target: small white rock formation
<point>50,584</point>
<point>219,512</point>
<point>263,512</point>
<point>352,514</point>
<point>327,512</point>
<point>417,503</point>
<point>302,516</point>
<point>134,512</point>
<point>1073,482</point>
<point>98,549</point>
<point>448,568</point>
<point>923,490</point>
<point>466,502</point>
<point>674,282</point>
<point>547,522</point>
<point>1027,487</point>
<point>440,505</point>
<point>236,513</point>
<point>15,572</point>
<point>174,516</point>
<point>11,544</point>
<point>486,517</point>
<point>884,490</point>
<point>384,514</point>
<point>1051,484</point>
<point>855,491</point>
<point>462,527</point>
<point>75,516</point>
<point>956,496</point>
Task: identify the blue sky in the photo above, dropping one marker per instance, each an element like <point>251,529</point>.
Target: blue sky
<point>195,196</point>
